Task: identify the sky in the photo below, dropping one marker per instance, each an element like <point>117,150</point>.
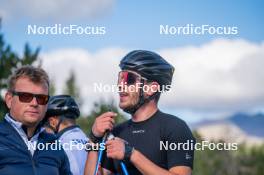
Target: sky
<point>215,76</point>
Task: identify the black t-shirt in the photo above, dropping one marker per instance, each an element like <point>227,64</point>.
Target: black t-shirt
<point>156,138</point>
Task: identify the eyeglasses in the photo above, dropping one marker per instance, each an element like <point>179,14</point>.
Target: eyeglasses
<point>129,77</point>
<point>26,97</point>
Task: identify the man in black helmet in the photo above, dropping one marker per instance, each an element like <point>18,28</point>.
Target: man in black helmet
<point>61,118</point>
<point>143,143</point>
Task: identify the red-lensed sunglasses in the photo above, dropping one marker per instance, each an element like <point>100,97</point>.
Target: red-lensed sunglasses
<point>127,77</point>
<point>26,97</point>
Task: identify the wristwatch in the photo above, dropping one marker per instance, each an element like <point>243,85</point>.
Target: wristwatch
<point>128,152</point>
<point>94,139</point>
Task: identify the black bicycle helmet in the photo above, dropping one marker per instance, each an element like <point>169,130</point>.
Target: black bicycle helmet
<point>151,66</point>
<point>63,105</point>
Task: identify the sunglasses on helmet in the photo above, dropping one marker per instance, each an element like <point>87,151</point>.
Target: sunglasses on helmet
<point>129,77</point>
<point>26,97</point>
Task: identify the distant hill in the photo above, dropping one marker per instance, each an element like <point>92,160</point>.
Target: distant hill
<point>251,124</point>
<point>238,128</point>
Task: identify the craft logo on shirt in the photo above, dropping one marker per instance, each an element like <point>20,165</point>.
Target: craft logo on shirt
<point>138,131</point>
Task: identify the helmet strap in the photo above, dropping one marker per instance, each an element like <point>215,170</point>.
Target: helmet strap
<point>61,118</point>
<point>49,126</point>
<point>141,101</point>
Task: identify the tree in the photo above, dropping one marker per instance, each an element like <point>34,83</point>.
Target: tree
<point>243,161</point>
<point>9,61</point>
<point>98,109</point>
<point>72,89</point>
<point>52,89</point>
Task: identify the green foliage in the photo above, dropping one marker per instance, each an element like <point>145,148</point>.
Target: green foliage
<point>9,61</point>
<point>243,161</point>
<point>72,89</point>
<point>3,108</point>
<point>98,109</point>
<point>52,89</point>
<point>250,160</point>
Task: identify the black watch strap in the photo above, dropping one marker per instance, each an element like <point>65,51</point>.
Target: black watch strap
<point>128,152</point>
<point>94,139</point>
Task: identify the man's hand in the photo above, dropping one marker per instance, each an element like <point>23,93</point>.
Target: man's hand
<point>115,148</point>
<point>103,123</point>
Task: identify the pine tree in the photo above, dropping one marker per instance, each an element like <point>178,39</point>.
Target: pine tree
<point>72,89</point>
<point>9,61</point>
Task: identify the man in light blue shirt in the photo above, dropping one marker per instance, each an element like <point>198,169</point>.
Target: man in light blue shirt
<point>61,119</point>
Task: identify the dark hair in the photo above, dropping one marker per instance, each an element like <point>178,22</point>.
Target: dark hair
<point>35,74</point>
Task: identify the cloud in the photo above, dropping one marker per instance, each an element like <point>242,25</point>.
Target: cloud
<point>90,69</point>
<point>219,77</point>
<point>222,75</point>
<point>58,10</point>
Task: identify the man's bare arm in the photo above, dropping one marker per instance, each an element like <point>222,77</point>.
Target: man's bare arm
<point>90,163</point>
<point>147,167</point>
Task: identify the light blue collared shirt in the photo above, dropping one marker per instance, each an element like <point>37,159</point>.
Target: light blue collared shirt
<point>18,127</point>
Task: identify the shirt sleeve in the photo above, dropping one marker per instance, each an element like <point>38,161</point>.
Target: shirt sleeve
<point>180,143</point>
